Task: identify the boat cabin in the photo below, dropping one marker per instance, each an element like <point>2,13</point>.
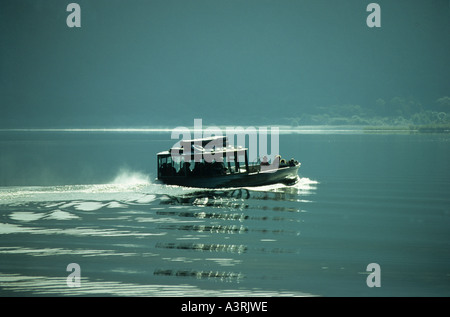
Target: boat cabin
<point>203,157</point>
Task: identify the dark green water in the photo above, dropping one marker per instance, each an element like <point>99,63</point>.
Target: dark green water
<point>90,199</point>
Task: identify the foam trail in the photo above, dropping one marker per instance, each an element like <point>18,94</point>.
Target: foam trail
<point>303,183</point>
<point>127,185</point>
<point>127,177</point>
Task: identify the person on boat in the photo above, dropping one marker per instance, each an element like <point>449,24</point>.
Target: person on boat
<point>218,168</point>
<point>185,169</point>
<point>273,166</point>
<point>264,161</point>
<point>292,162</point>
<point>199,169</point>
<point>168,170</point>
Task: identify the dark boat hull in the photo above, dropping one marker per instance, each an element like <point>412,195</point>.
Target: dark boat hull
<point>287,175</point>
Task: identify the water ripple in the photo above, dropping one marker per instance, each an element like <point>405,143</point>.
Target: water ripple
<point>56,286</point>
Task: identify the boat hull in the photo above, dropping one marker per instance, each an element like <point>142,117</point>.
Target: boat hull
<point>287,175</point>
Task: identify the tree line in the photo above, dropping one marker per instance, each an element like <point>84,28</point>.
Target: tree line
<point>397,112</point>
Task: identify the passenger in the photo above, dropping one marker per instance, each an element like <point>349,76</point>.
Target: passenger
<point>265,166</point>
<point>168,170</point>
<point>265,162</point>
<point>181,170</point>
<point>218,168</point>
<point>164,169</point>
<point>199,169</point>
<point>187,168</point>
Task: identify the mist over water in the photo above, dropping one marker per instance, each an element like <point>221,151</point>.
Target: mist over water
<point>127,177</point>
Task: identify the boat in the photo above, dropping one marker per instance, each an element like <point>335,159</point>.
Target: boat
<point>213,163</point>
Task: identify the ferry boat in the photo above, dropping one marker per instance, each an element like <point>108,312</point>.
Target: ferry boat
<point>212,163</point>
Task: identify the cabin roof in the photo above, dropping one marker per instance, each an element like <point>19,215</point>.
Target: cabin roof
<point>240,150</point>
<point>189,146</point>
<point>163,153</point>
<point>215,141</point>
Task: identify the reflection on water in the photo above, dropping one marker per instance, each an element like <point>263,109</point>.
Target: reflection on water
<point>54,286</point>
<point>204,247</point>
<point>217,275</point>
<point>382,198</point>
<point>237,198</point>
<point>156,234</point>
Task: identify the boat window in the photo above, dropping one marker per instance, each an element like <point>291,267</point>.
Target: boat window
<point>166,166</point>
<point>242,166</point>
<point>176,163</point>
<point>235,163</point>
<point>228,162</point>
<point>205,168</point>
<point>232,166</point>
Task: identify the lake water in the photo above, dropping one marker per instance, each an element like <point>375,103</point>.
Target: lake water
<point>90,198</point>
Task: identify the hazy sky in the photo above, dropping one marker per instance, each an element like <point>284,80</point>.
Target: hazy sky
<point>137,63</point>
